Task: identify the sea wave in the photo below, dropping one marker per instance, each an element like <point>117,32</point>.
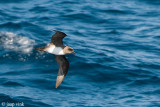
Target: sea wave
<point>11,41</point>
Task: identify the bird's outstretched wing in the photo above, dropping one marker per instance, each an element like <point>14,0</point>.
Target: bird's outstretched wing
<point>57,38</point>
<point>63,68</point>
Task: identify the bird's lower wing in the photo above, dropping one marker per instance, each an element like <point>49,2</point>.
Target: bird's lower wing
<point>63,68</point>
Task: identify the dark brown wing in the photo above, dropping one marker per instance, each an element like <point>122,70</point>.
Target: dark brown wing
<point>57,38</point>
<point>63,68</point>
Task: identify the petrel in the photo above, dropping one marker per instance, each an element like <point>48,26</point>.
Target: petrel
<point>57,48</point>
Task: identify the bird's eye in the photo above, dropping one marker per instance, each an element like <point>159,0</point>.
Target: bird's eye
<point>70,49</point>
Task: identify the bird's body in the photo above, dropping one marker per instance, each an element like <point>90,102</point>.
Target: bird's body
<point>57,48</point>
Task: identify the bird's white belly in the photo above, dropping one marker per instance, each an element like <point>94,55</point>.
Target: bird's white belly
<point>55,50</point>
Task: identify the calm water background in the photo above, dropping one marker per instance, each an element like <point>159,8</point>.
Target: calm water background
<point>117,44</point>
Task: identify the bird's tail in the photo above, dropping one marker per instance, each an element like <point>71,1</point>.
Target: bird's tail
<point>40,49</point>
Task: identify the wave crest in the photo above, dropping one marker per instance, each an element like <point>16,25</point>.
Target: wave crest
<point>14,42</point>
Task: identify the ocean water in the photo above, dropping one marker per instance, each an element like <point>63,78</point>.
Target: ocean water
<point>117,45</point>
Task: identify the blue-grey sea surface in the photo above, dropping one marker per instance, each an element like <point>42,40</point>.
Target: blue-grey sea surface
<point>117,45</point>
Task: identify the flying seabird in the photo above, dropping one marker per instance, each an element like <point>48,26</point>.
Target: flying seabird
<point>57,48</point>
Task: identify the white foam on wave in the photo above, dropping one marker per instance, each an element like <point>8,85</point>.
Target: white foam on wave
<point>15,42</point>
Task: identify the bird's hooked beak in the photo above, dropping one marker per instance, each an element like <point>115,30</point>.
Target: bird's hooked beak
<point>73,53</point>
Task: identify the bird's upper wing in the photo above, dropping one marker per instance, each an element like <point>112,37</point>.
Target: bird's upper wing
<point>57,38</point>
<point>63,68</point>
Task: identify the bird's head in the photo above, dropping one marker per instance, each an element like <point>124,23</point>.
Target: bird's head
<point>68,50</point>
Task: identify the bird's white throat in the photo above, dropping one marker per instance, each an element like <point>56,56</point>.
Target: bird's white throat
<point>55,50</point>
